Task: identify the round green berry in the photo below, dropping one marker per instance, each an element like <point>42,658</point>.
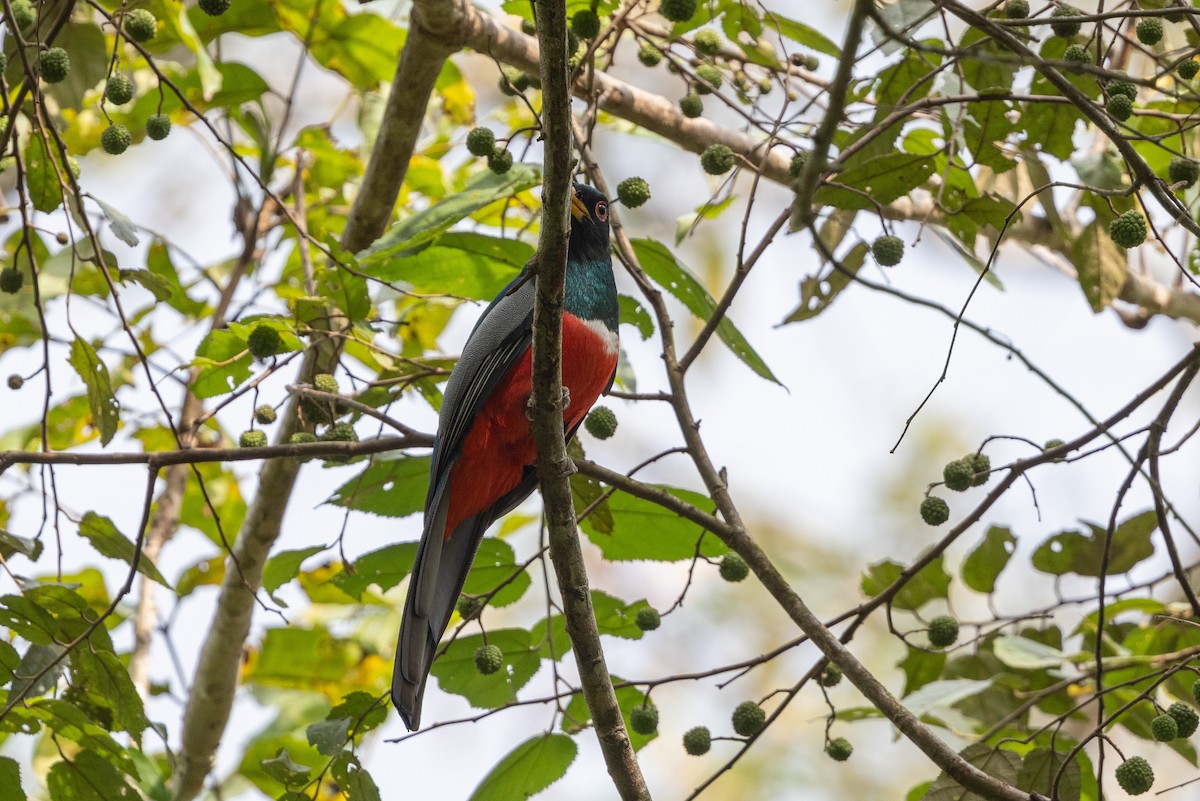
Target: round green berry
<point>1149,30</point>
<point>263,342</point>
<point>1188,69</point>
<point>341,432</point>
<point>633,192</point>
<point>1135,775</point>
<point>1164,728</point>
<point>55,65</point>
<point>1119,107</point>
<point>468,606</point>
<point>302,437</point>
<point>481,141</point>
<point>1129,229</point>
<point>213,8</point>
<point>981,463</point>
<point>141,25</point>
<point>488,659</point>
<point>707,42</point>
<point>765,86</point>
<point>1016,9</point>
<point>1183,170</point>
<point>118,89</point>
<point>158,126</point>
<point>935,511</point>
<point>1122,87</point>
<point>958,475</point>
<point>1051,444</point>
<point>691,105</point>
<point>252,439</point>
<point>1186,719</point>
<point>709,79</point>
<point>888,250</point>
<point>649,55</point>
<point>500,161</point>
<point>324,382</point>
<point>264,415</point>
<point>23,14</point>
<point>734,568</point>
<point>513,81</point>
<point>585,23</point>
<point>717,159</point>
<point>116,139</point>
<point>748,718</point>
<point>15,381</point>
<point>648,618</point>
<point>943,631</point>
<point>839,749</point>
<point>1077,52</point>
<point>528,27</point>
<point>644,719</point>
<point>697,740</point>
<point>11,280</point>
<point>601,423</point>
<point>678,10</point>
<point>831,676</point>
<point>1065,29</point>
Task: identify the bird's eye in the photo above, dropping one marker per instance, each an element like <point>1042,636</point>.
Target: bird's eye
<point>601,211</point>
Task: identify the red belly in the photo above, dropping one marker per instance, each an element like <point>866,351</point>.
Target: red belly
<point>499,446</point>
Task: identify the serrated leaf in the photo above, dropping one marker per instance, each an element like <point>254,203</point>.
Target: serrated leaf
<point>283,567</point>
<point>88,777</point>
<point>392,486</point>
<point>645,530</point>
<point>991,555</point>
<point>672,275</point>
<point>463,264</point>
<point>921,667</point>
<point>385,567</point>
<point>101,673</point>
<point>155,285</point>
<point>997,762</point>
<point>42,175</point>
<point>802,34</point>
<point>224,364</point>
<point>931,582</point>
<point>10,779</point>
<point>1041,768</point>
<point>1079,553</point>
<point>528,769</point>
<point>329,737</point>
<point>355,781</point>
<point>284,770</point>
<point>877,179</point>
<point>104,537</point>
<point>101,401</point>
<point>30,681</point>
<point>633,313</point>
<point>817,294</point>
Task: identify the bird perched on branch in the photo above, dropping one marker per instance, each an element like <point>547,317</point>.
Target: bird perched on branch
<point>484,458</point>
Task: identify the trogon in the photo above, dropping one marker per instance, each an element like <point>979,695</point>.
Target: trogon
<point>484,458</point>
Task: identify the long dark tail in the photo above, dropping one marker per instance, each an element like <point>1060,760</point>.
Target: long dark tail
<point>439,572</point>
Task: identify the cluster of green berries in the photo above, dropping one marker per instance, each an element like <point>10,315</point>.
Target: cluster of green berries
<point>601,423</point>
<point>264,415</point>
<point>717,159</point>
<point>1135,775</point>
<point>488,659</point>
<point>734,568</point>
<point>15,381</point>
<point>252,439</point>
<point>1183,170</point>
<point>585,23</point>
<point>969,471</point>
<point>839,749</point>
<point>943,631</point>
<point>644,719</point>
<point>1149,30</point>
<point>1188,69</point>
<point>1178,722</point>
<point>1016,9</point>
<point>647,618</point>
<point>1065,29</point>
<point>54,64</point>
<point>1129,229</point>
<point>23,14</point>
<point>482,142</point>
<point>633,192</point>
<point>748,718</point>
<point>11,280</point>
<point>214,8</point>
<point>141,25</point>
<point>263,341</point>
<point>678,10</point>
<point>888,250</point>
<point>935,510</point>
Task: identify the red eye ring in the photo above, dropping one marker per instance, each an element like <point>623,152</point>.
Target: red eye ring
<point>601,211</point>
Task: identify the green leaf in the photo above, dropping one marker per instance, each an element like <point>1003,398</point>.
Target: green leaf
<point>393,485</point>
<point>1103,265</point>
<point>283,567</point>
<point>931,582</point>
<point>989,65</point>
<point>633,313</point>
<point>817,294</point>
<point>385,567</point>
<point>10,779</point>
<point>495,565</point>
<point>9,660</point>
<point>997,762</point>
<point>222,369</point>
<point>122,227</point>
<point>802,34</point>
<point>467,265</point>
<point>645,530</point>
<point>42,175</point>
<point>329,736</point>
<point>103,676</point>
<point>303,659</point>
<point>1040,769</point>
<point>152,283</point>
<point>11,544</point>
<point>30,680</point>
<point>1079,553</point>
<point>528,769</point>
<point>284,770</point>
<point>456,672</point>
<point>876,179</point>
<point>88,777</point>
<point>921,667</point>
<point>350,776</point>
<point>104,537</point>
<point>101,400</point>
<point>577,716</point>
<point>424,227</point>
<point>1021,653</point>
<point>991,555</point>
<point>364,711</point>
<point>672,275</point>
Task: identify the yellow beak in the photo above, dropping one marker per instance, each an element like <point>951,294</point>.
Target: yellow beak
<point>578,210</point>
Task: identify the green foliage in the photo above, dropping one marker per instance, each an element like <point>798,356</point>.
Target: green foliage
<point>528,769</point>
